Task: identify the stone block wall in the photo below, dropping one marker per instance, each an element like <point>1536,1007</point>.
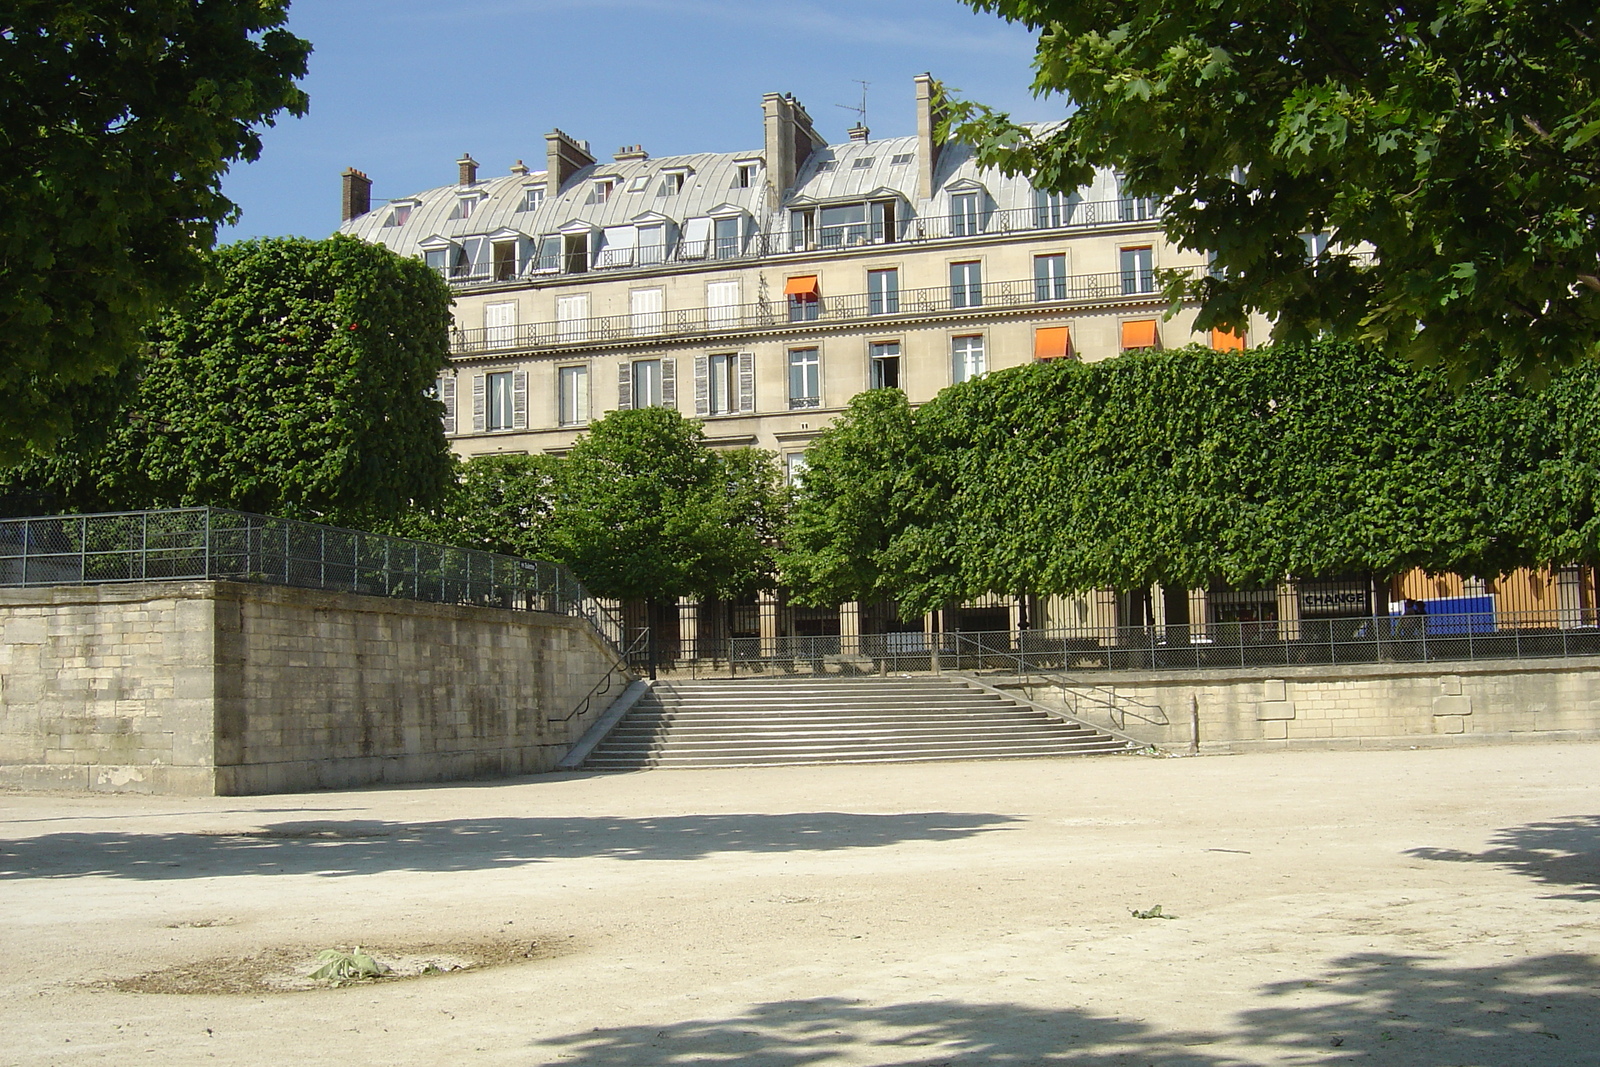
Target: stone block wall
<point>230,688</point>
<point>1347,706</point>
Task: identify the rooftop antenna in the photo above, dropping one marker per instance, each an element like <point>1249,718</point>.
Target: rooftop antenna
<point>861,112</point>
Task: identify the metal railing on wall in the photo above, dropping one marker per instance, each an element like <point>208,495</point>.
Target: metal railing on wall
<point>214,544</point>
<point>1433,638</point>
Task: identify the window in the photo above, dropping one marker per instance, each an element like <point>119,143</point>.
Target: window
<point>501,403</point>
<point>532,198</point>
<point>1140,333</point>
<point>575,254</point>
<point>863,163</point>
<point>805,378</point>
<point>883,359</point>
<point>505,260</point>
<point>966,284</point>
<point>900,159</point>
<point>398,215</point>
<point>437,258</point>
<point>1316,246</point>
<point>465,206</point>
<point>444,389</point>
<point>842,224</point>
<point>1135,208</point>
<point>964,220</point>
<point>500,323</point>
<point>827,166</point>
<point>671,183</point>
<point>802,229</point>
<point>639,184</point>
<point>1050,277</point>
<point>1051,342</point>
<point>549,257</point>
<point>722,386</point>
<point>1052,209</point>
<point>645,376</point>
<point>572,317</point>
<point>725,241</point>
<point>794,467</point>
<point>805,300</point>
<point>966,358</point>
<point>744,175</point>
<point>883,292</point>
<point>1138,271</point>
<point>883,226</point>
<point>722,304</point>
<point>652,247</point>
<point>601,190</point>
<point>573,402</point>
<point>645,310</point>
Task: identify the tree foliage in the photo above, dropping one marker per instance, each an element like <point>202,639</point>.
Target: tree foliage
<point>296,382</point>
<point>1459,138</point>
<point>117,122</point>
<point>1193,467</point>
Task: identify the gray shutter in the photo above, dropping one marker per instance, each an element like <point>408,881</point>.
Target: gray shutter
<point>480,403</point>
<point>519,400</point>
<point>624,386</point>
<point>747,381</point>
<point>447,397</point>
<point>669,383</point>
<point>702,386</point>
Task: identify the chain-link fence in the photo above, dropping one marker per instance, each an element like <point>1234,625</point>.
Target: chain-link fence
<point>216,544</point>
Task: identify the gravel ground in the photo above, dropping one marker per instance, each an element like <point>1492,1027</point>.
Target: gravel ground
<point>1434,907</point>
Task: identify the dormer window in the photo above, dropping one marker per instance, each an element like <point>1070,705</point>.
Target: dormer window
<point>639,183</point>
<point>671,183</point>
<point>532,198</point>
<point>744,175</point>
<point>465,206</point>
<point>601,190</point>
<point>399,215</point>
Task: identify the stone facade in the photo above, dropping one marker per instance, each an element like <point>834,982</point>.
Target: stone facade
<point>1350,706</point>
<point>226,688</point>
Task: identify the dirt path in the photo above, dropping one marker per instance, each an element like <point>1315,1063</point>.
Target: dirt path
<point>1395,908</point>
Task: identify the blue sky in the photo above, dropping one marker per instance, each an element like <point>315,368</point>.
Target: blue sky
<point>400,88</point>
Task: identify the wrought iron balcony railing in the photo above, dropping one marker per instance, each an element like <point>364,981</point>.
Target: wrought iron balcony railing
<point>829,310</point>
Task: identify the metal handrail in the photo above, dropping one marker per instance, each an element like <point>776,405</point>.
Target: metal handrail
<point>217,544</point>
<point>826,310</point>
<point>603,686</point>
<point>1063,215</point>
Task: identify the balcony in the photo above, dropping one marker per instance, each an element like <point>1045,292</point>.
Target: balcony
<point>774,315</point>
<point>1066,216</point>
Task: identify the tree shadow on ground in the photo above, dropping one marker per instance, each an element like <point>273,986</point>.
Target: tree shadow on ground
<point>1561,852</point>
<point>355,847</point>
<point>1375,1009</point>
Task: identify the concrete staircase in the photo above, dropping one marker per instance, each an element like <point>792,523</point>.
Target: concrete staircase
<point>763,722</point>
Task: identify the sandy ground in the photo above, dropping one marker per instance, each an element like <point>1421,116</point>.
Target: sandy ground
<point>1408,907</point>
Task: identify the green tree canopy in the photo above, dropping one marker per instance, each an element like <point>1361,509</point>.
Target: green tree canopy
<point>1460,139</point>
<point>1193,467</point>
<point>298,382</point>
<point>117,122</point>
<point>496,503</point>
<point>645,509</point>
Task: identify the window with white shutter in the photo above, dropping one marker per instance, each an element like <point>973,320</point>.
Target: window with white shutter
<point>519,400</point>
<point>447,396</point>
<point>500,323</point>
<point>625,386</point>
<point>480,403</point>
<point>572,317</point>
<point>722,304</point>
<point>669,384</point>
<point>747,381</point>
<point>645,306</point>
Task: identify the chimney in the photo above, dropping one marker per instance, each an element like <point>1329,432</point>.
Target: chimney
<point>519,168</point>
<point>859,132</point>
<point>790,141</point>
<point>469,169</point>
<point>929,114</point>
<point>357,194</point>
<point>564,157</point>
<point>631,153</point>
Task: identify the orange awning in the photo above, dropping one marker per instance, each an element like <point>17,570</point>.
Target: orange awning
<point>1139,333</point>
<point>1225,341</point>
<point>1051,342</point>
<point>805,285</point>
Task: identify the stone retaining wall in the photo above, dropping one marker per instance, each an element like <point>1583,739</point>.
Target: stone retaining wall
<point>1347,706</point>
<point>229,688</point>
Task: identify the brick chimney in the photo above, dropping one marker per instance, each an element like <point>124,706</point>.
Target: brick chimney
<point>790,140</point>
<point>356,198</point>
<point>929,115</point>
<point>629,153</point>
<point>564,157</point>
<point>469,169</point>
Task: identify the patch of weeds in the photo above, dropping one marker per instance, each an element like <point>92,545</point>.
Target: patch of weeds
<point>1152,913</point>
<point>340,966</point>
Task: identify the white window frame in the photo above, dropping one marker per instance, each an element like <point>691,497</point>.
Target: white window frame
<point>878,353</point>
<point>968,291</point>
<point>805,377</point>
<point>572,394</point>
<point>500,412</point>
<point>967,357</point>
<point>1050,283</point>
<point>1138,271</point>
